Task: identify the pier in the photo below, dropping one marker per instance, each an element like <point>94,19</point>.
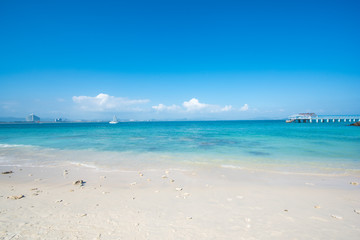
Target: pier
<point>313,118</point>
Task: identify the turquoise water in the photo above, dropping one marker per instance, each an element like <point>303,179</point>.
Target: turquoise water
<point>221,143</point>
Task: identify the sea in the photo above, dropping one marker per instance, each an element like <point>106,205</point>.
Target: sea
<point>331,148</point>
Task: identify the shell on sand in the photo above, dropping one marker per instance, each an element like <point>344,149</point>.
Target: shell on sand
<point>357,211</point>
<point>354,183</point>
<point>178,188</point>
<point>16,197</point>
<point>79,182</point>
<point>7,172</point>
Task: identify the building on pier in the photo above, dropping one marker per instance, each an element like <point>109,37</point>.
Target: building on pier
<point>312,117</point>
<point>301,117</point>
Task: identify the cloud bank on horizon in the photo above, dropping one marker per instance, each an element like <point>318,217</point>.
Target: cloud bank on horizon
<point>194,105</point>
<point>106,103</point>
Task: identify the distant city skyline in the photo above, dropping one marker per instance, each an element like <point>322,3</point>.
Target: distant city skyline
<point>166,60</point>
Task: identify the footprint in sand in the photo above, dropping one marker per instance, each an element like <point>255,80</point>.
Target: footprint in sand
<point>336,216</point>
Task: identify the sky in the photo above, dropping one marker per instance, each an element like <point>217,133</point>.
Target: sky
<point>179,59</point>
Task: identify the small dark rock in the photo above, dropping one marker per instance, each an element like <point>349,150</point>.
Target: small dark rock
<point>355,124</point>
<point>7,172</point>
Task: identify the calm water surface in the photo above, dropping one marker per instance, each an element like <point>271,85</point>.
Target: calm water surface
<point>223,143</point>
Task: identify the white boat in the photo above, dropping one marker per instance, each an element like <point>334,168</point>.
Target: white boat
<point>114,121</point>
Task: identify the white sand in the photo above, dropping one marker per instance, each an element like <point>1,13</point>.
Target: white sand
<point>199,204</point>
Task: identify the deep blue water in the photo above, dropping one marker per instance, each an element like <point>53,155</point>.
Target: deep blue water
<point>226,142</point>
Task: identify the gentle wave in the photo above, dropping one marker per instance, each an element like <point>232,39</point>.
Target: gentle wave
<point>86,165</point>
<point>14,145</point>
<point>231,166</point>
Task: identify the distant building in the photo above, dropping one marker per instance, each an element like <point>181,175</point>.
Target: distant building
<point>32,118</point>
<point>58,120</point>
<point>302,117</point>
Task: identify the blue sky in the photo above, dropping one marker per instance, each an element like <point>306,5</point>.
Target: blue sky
<point>179,59</point>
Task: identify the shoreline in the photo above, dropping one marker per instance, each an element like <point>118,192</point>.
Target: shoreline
<point>171,204</point>
<point>19,155</point>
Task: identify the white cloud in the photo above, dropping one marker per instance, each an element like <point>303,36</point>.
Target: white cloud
<point>244,108</point>
<point>194,105</point>
<point>161,107</point>
<point>227,108</point>
<point>105,102</point>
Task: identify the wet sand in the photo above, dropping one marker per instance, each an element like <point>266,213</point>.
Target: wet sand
<point>199,203</point>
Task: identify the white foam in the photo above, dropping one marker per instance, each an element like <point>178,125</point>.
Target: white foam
<point>13,145</point>
<point>84,165</point>
<point>231,166</point>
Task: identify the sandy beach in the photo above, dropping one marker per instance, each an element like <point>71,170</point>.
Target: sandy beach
<point>199,203</point>
<point>179,120</point>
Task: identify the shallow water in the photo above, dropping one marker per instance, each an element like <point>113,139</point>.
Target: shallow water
<point>331,147</point>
